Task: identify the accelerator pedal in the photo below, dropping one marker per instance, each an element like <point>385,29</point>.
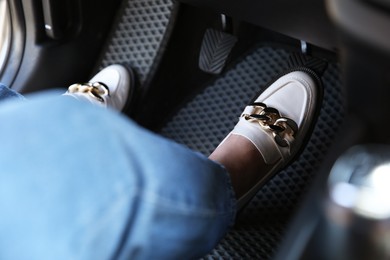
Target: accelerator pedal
<point>303,60</point>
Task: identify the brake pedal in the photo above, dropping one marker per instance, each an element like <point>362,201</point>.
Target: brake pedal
<point>215,50</point>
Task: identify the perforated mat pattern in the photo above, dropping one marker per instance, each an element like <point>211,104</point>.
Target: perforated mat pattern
<point>209,117</point>
<point>138,35</point>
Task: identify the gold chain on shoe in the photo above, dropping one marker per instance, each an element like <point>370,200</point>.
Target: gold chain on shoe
<point>96,90</point>
<point>283,129</point>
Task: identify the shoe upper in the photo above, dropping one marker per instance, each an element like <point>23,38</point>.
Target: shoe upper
<point>108,88</point>
<point>294,97</point>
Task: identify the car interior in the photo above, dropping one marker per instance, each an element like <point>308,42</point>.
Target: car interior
<point>198,63</point>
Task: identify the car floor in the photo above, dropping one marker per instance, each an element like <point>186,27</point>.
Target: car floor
<point>210,112</point>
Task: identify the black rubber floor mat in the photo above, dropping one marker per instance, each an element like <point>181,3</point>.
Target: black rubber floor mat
<point>138,35</point>
<point>210,116</point>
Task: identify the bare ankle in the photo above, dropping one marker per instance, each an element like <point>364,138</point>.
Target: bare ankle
<point>242,160</point>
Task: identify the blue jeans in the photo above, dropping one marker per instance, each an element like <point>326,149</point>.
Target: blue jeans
<point>6,93</point>
<point>82,182</point>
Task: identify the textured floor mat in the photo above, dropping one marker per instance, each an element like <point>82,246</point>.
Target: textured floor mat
<point>209,117</point>
<point>138,35</point>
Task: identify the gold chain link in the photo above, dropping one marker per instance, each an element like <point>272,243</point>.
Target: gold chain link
<point>283,129</point>
<point>96,90</point>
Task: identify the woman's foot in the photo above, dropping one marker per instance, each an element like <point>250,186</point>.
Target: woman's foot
<point>270,133</point>
<point>111,87</point>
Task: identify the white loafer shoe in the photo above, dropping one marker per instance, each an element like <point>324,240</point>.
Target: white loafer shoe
<point>111,87</point>
<point>279,121</point>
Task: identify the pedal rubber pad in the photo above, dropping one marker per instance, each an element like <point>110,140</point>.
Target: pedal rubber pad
<point>301,60</point>
<point>215,50</point>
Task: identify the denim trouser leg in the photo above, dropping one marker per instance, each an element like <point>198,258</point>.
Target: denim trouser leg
<point>6,93</point>
<point>81,182</point>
